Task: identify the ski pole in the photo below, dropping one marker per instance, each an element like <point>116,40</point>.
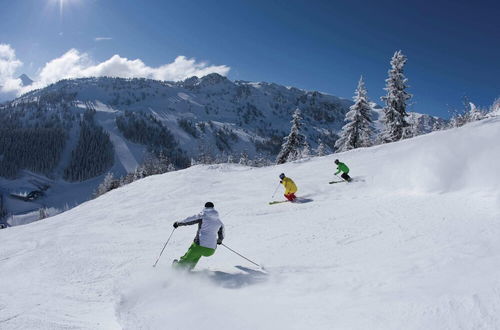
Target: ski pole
<point>227,247</point>
<point>164,246</point>
<point>341,178</point>
<point>275,190</point>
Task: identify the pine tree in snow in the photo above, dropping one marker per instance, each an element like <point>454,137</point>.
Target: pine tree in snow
<point>3,210</point>
<point>261,161</point>
<point>244,160</point>
<point>306,151</point>
<point>42,213</point>
<point>457,119</point>
<point>395,100</point>
<point>292,144</point>
<point>474,113</point>
<point>468,114</point>
<point>410,131</point>
<point>437,126</point>
<point>106,185</point>
<point>321,149</point>
<point>358,132</point>
<point>126,179</point>
<point>139,173</point>
<point>494,108</point>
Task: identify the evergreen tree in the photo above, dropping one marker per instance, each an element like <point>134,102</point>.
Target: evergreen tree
<point>244,160</point>
<point>3,210</point>
<point>42,213</point>
<point>260,161</point>
<point>321,149</point>
<point>410,131</point>
<point>292,144</point>
<point>106,185</point>
<point>153,165</point>
<point>395,100</point>
<point>474,113</point>
<point>164,164</point>
<point>437,126</point>
<point>358,132</point>
<point>35,149</point>
<point>306,151</point>
<point>457,119</point>
<point>93,154</point>
<point>468,114</point>
<point>126,179</point>
<point>148,130</point>
<point>495,107</point>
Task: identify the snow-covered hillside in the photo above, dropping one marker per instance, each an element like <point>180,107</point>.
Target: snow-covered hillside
<point>412,243</point>
<point>211,114</point>
<point>201,118</point>
<point>253,111</point>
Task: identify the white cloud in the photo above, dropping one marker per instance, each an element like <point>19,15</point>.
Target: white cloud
<point>76,64</point>
<point>102,38</point>
<point>8,67</point>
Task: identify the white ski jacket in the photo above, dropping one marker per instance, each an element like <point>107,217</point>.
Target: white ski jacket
<point>210,228</point>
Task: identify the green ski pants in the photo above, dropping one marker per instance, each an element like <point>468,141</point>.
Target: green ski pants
<point>193,255</point>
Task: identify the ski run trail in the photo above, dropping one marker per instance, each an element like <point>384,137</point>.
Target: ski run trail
<point>412,243</point>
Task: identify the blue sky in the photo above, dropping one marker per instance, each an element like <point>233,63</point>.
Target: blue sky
<point>453,47</point>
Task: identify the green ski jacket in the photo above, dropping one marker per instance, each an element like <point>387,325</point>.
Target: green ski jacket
<point>341,167</point>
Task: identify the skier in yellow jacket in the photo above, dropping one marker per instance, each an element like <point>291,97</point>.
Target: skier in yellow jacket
<point>290,187</point>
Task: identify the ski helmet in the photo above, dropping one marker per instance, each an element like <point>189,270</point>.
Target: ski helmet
<point>282,176</point>
<point>336,161</point>
<point>209,205</point>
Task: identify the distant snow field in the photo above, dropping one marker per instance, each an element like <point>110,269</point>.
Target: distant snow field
<point>412,243</point>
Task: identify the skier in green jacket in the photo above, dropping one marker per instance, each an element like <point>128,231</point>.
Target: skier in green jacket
<point>341,167</point>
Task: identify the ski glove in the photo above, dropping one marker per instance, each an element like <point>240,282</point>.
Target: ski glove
<point>176,224</point>
<point>219,241</point>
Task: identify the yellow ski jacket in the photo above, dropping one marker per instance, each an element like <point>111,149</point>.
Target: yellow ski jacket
<point>289,185</point>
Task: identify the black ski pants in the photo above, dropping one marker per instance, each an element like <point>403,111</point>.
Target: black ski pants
<point>346,177</point>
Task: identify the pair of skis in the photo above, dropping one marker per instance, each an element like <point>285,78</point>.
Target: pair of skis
<point>298,200</point>
<point>277,202</point>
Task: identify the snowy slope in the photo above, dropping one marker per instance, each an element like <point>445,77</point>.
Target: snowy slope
<point>209,117</point>
<point>411,244</point>
<point>220,117</point>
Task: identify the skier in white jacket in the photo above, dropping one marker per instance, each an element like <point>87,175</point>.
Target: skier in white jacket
<point>210,233</point>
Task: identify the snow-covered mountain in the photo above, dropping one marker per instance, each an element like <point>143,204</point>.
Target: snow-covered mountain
<point>201,111</point>
<point>412,243</point>
<point>25,80</point>
<point>210,115</point>
<point>77,130</point>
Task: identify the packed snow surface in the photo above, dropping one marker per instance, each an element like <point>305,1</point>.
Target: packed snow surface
<point>412,243</point>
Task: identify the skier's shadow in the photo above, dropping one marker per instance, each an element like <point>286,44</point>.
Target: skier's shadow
<point>358,179</point>
<point>237,280</point>
<point>302,200</point>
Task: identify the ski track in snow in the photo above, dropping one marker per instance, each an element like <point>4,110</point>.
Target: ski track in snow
<point>122,150</point>
<point>411,244</point>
